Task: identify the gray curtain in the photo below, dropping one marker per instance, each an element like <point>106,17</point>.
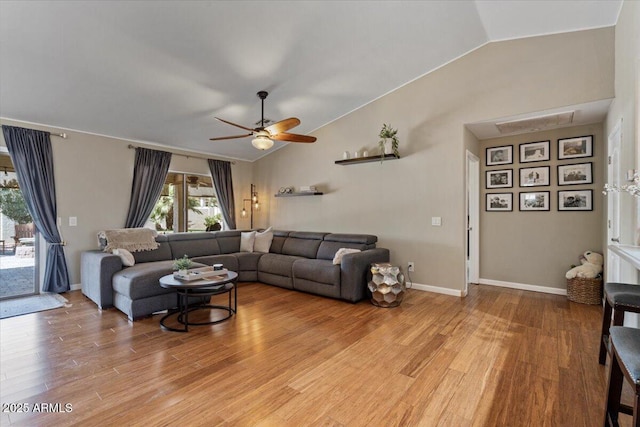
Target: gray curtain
<point>149,173</point>
<point>221,174</point>
<point>31,154</point>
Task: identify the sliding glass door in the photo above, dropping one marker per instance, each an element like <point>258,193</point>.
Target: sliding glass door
<point>18,238</point>
<point>187,203</point>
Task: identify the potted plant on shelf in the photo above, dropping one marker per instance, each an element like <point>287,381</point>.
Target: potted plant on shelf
<point>182,265</point>
<point>388,133</point>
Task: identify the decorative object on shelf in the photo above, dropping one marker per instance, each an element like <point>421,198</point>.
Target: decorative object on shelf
<point>254,204</point>
<point>308,189</point>
<point>356,155</point>
<point>365,153</point>
<point>345,155</point>
<point>366,159</point>
<point>182,265</point>
<point>499,155</point>
<point>571,148</point>
<point>387,285</point>
<point>388,133</point>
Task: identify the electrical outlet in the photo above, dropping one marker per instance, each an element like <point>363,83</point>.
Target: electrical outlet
<point>411,266</point>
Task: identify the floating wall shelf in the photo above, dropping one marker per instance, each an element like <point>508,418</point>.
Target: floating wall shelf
<point>317,193</point>
<point>367,159</point>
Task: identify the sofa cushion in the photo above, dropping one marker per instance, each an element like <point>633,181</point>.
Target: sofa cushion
<point>193,244</point>
<point>142,280</point>
<point>247,240</point>
<point>248,261</point>
<point>367,239</point>
<point>163,253</point>
<point>229,241</point>
<point>304,244</point>
<point>280,265</point>
<point>125,256</point>
<point>229,261</point>
<point>263,241</point>
<point>317,276</point>
<point>279,237</point>
<point>327,250</point>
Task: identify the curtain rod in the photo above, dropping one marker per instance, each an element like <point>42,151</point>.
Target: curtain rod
<point>133,147</point>
<point>61,135</point>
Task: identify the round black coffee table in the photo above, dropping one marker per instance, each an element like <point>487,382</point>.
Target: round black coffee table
<point>206,288</point>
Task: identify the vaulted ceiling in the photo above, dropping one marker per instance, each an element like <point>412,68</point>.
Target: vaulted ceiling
<point>160,71</point>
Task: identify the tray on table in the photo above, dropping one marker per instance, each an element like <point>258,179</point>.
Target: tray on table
<point>200,274</point>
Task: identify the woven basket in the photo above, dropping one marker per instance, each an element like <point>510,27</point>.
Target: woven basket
<point>585,291</point>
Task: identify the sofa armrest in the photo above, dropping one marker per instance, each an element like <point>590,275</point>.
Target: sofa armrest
<point>96,274</point>
<point>354,270</point>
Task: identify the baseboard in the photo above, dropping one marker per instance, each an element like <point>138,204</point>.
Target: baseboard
<point>523,287</point>
<point>75,287</point>
<point>437,289</point>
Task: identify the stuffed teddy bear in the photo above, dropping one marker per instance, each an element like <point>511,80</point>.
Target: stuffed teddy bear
<point>590,268</point>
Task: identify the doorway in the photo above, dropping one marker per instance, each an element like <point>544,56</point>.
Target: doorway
<point>18,237</point>
<point>473,220</point>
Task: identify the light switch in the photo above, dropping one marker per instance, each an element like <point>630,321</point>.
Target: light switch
<point>73,221</point>
<point>436,221</point>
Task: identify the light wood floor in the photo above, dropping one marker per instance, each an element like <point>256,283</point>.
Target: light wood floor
<point>499,357</point>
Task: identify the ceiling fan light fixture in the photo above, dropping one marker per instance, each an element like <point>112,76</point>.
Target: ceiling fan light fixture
<point>262,141</point>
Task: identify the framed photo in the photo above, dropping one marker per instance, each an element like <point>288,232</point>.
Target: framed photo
<point>535,151</point>
<point>571,148</point>
<point>500,155</point>
<point>535,201</point>
<point>535,177</point>
<point>499,202</point>
<point>500,178</point>
<point>578,200</point>
<point>576,174</point>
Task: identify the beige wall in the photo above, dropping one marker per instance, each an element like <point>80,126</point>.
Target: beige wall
<point>397,199</point>
<point>626,107</point>
<point>93,183</point>
<point>394,200</point>
<point>537,248</point>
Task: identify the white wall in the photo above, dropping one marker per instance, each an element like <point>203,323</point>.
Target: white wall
<point>626,107</point>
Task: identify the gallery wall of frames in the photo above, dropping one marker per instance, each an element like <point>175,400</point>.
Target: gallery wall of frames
<point>541,204</point>
<point>572,171</point>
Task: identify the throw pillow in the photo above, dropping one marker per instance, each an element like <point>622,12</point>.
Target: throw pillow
<point>125,256</point>
<point>263,241</point>
<point>337,258</point>
<point>247,240</point>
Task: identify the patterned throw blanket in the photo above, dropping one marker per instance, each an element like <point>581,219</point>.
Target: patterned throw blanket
<point>131,239</point>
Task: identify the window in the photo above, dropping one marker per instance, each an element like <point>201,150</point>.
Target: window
<point>187,203</point>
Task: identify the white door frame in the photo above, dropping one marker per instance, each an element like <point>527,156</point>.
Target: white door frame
<point>472,220</point>
<point>613,270</point>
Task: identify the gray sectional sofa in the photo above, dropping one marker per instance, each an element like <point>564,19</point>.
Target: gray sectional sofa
<point>296,260</point>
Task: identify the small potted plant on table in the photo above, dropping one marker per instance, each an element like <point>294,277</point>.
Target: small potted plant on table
<point>182,265</point>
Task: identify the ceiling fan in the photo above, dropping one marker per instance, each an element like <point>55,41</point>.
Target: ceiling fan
<point>264,136</point>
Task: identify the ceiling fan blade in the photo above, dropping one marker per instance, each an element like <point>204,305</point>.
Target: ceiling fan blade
<point>235,124</point>
<point>231,137</point>
<point>293,137</point>
<point>282,125</point>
